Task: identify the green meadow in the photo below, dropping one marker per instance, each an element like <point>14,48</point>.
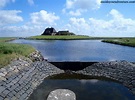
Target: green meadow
<point>10,51</point>
<point>121,41</point>
<point>60,37</point>
<point>6,39</point>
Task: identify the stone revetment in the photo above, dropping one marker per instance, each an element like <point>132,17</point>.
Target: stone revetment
<point>22,76</point>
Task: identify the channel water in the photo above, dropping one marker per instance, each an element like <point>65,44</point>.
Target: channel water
<point>80,50</point>
<point>85,89</point>
<point>83,51</point>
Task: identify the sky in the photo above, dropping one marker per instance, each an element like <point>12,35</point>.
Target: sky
<point>25,18</point>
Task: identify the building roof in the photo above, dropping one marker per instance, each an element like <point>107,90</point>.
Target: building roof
<point>49,31</point>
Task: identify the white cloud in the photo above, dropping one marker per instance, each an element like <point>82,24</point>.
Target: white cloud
<point>78,25</point>
<point>9,17</point>
<point>92,81</point>
<point>116,26</point>
<point>31,2</point>
<point>79,22</point>
<point>4,2</point>
<point>115,14</point>
<point>43,17</point>
<point>21,31</point>
<point>39,20</point>
<point>69,4</point>
<point>77,12</point>
<point>84,5</point>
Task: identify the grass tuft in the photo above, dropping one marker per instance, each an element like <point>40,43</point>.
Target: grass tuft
<point>10,51</point>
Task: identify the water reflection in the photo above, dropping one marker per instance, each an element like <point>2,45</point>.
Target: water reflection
<point>92,81</point>
<point>84,89</point>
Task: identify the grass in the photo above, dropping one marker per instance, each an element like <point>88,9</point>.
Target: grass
<point>60,37</point>
<point>122,41</point>
<point>10,51</point>
<point>6,39</point>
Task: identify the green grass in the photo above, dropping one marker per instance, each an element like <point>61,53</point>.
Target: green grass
<point>121,41</point>
<point>10,51</point>
<point>60,37</point>
<point>6,39</point>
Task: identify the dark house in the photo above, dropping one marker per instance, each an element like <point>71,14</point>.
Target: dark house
<point>62,33</point>
<point>49,31</point>
<point>52,31</point>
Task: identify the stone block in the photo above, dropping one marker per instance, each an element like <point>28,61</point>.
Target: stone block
<point>3,95</point>
<point>6,92</point>
<point>14,98</point>
<point>62,94</point>
<point>1,98</point>
<point>23,97</point>
<point>2,88</point>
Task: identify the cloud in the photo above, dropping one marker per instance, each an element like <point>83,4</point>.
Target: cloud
<point>118,25</point>
<point>43,17</point>
<point>115,14</point>
<point>92,81</point>
<point>69,4</point>
<point>9,17</point>
<point>31,2</point>
<point>4,2</point>
<point>77,12</point>
<point>78,25</point>
<point>36,25</point>
<point>21,31</point>
<point>84,5</point>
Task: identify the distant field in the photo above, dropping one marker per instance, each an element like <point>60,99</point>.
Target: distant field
<point>121,41</point>
<point>62,37</point>
<point>5,39</point>
<point>10,51</point>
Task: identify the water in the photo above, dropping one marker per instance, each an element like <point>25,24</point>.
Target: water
<point>81,50</point>
<point>85,89</point>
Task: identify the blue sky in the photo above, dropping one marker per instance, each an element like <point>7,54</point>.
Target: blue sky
<point>83,17</point>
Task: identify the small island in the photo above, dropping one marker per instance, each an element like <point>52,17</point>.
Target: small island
<point>52,34</point>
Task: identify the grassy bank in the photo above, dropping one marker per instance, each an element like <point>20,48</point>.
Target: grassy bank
<point>122,41</point>
<point>60,37</point>
<point>6,39</point>
<point>10,51</point>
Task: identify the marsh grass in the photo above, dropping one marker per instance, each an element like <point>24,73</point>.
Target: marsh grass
<point>10,51</point>
<point>6,39</point>
<point>60,37</point>
<point>122,41</point>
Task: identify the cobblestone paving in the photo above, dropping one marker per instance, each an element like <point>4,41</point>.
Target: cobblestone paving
<point>121,71</point>
<point>22,76</point>
<point>19,79</point>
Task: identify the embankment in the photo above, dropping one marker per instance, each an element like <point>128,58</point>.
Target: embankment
<point>23,75</point>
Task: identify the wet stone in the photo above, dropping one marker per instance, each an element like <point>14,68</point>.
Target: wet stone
<point>2,88</point>
<point>62,94</point>
<point>1,98</point>
<point>6,92</point>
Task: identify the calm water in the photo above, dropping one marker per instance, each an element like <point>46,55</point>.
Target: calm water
<point>91,89</point>
<point>81,50</point>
